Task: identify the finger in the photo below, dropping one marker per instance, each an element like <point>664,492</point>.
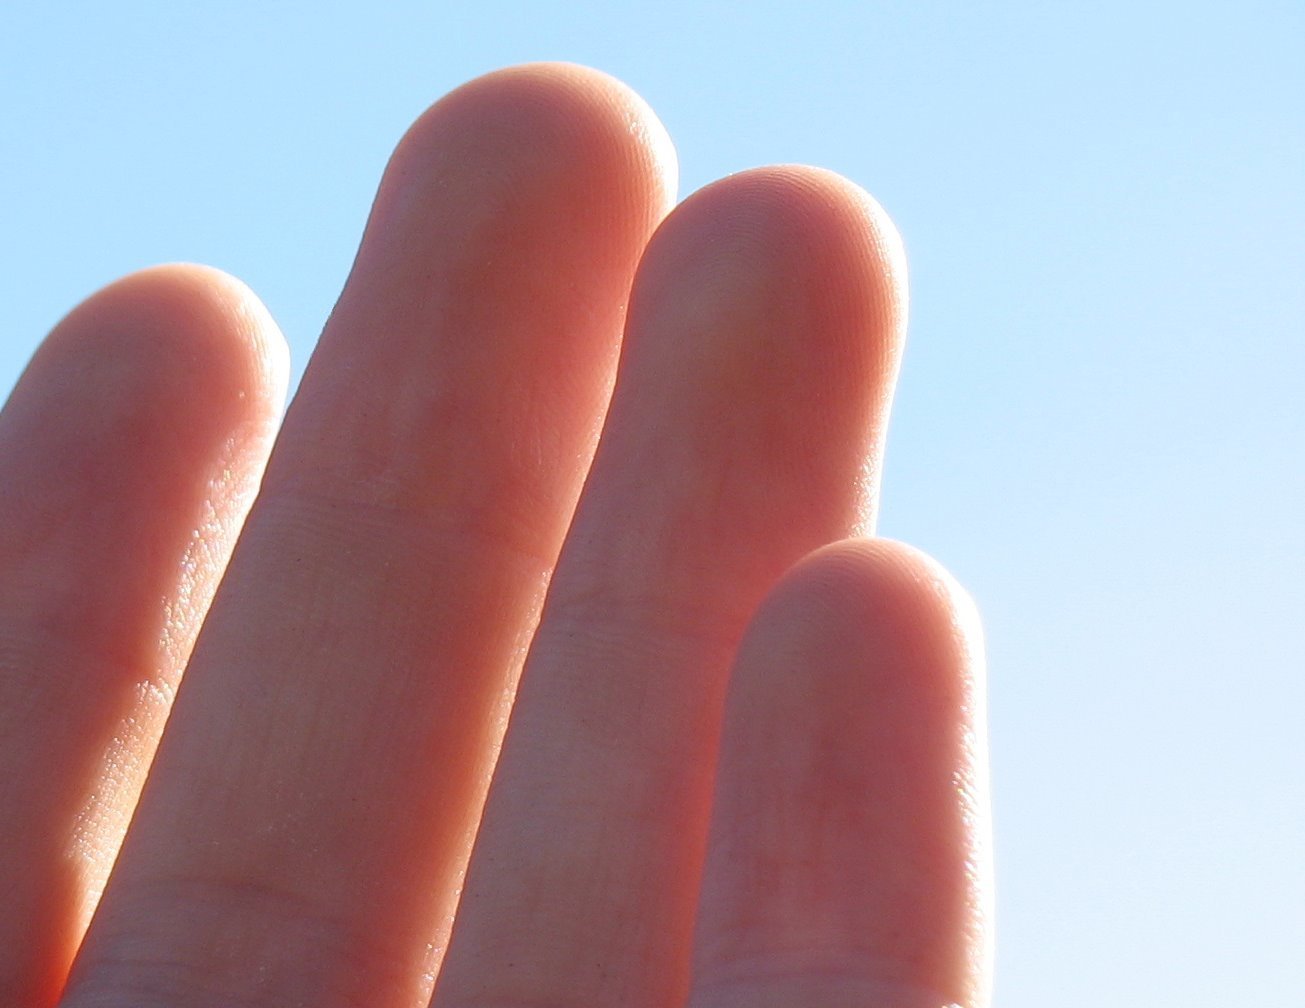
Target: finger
<point>303,835</point>
<point>848,859</point>
<point>744,431</point>
<point>128,454</point>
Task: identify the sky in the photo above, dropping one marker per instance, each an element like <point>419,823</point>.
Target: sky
<point>1099,424</point>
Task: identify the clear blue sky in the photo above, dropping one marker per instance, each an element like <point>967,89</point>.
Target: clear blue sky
<point>1100,421</point>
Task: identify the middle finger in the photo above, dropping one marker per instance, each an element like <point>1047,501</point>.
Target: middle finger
<point>303,832</point>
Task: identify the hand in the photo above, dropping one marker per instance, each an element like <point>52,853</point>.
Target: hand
<point>803,775</point>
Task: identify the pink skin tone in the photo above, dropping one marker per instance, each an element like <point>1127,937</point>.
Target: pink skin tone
<point>555,665</point>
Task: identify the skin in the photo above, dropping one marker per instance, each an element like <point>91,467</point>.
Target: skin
<point>575,500</point>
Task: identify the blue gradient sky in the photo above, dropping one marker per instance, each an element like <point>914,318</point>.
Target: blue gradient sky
<point>1100,421</point>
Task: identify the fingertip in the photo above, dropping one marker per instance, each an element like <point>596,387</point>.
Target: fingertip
<point>799,226</point>
<point>891,588</point>
<point>881,625</point>
<point>587,100</point>
<point>651,143</point>
<point>904,632</point>
<point>529,124</point>
<point>257,346</point>
<point>182,324</point>
<point>147,383</point>
<point>838,209</point>
<point>783,283</point>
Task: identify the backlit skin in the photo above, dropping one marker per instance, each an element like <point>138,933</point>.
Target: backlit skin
<point>556,663</point>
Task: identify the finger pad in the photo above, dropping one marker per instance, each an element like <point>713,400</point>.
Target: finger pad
<point>780,292</point>
<point>849,832</point>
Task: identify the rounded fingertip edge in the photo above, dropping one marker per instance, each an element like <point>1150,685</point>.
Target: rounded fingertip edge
<point>587,104</point>
<point>209,313</point>
<point>880,569</point>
